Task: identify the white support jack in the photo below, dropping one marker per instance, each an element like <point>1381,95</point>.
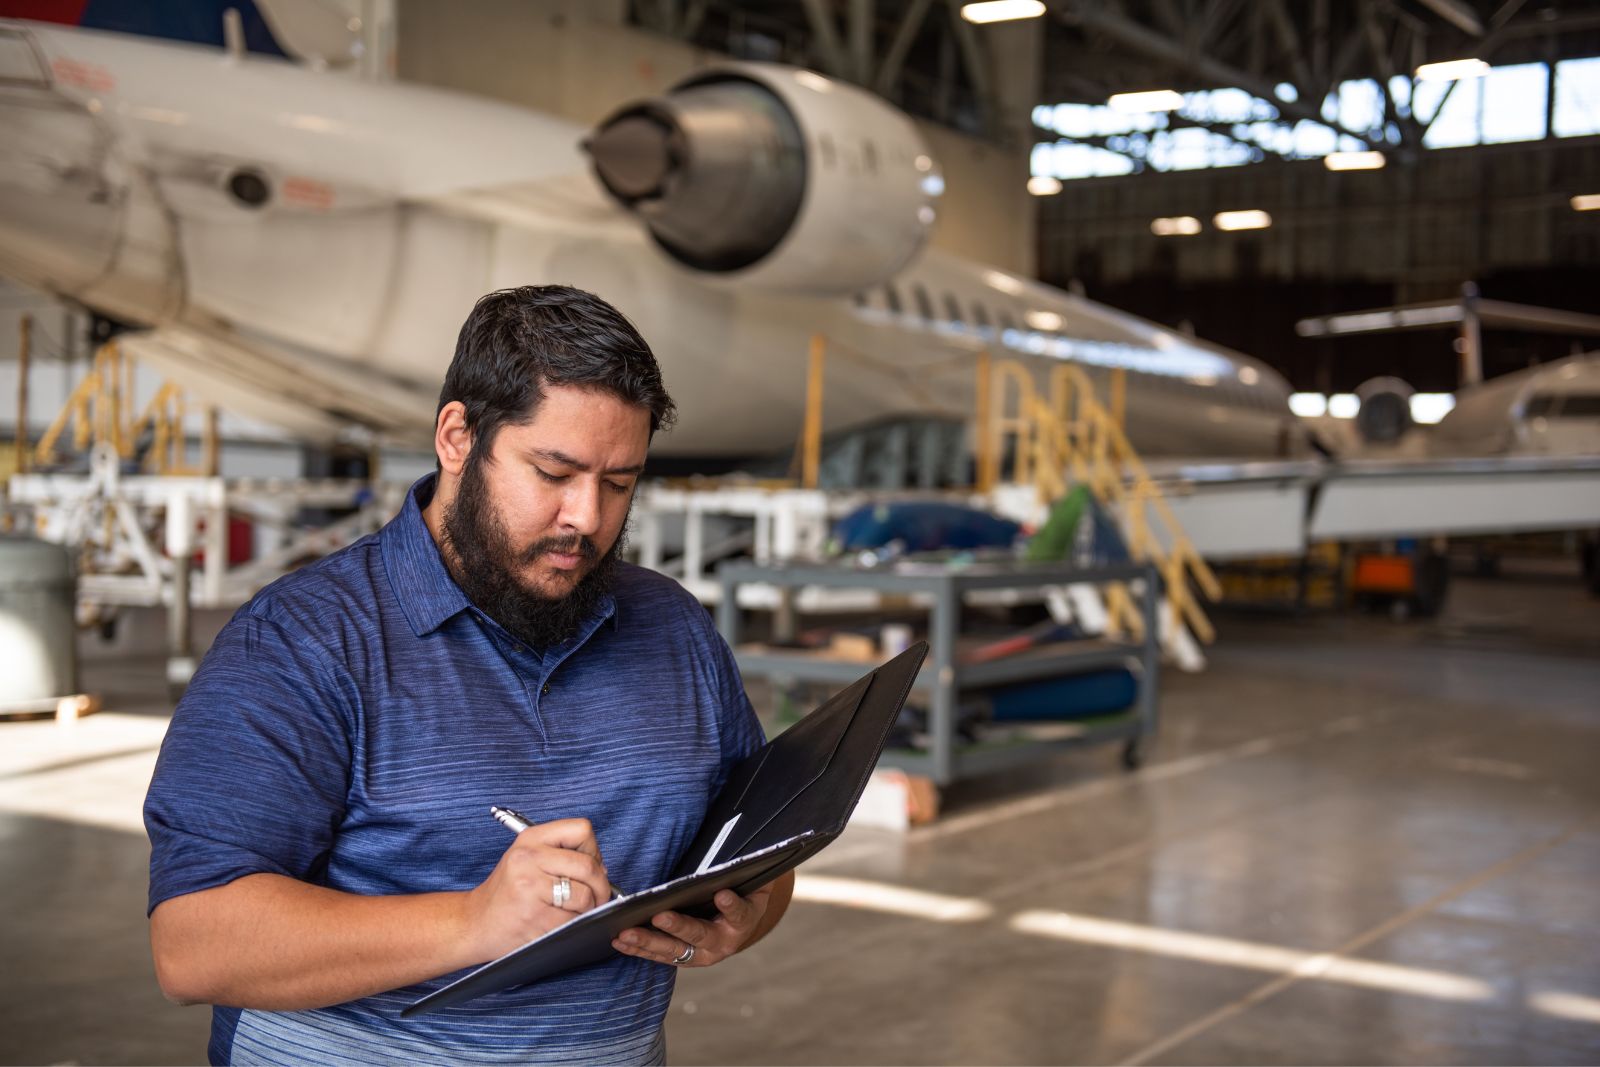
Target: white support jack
<point>180,559</point>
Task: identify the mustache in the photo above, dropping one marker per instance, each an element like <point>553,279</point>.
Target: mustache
<point>576,544</point>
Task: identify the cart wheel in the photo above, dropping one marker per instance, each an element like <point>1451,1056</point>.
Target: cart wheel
<point>1133,752</point>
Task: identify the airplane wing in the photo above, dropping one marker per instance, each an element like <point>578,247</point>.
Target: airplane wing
<point>566,201</point>
<point>313,396</point>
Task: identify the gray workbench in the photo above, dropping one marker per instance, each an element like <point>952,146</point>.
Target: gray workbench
<point>944,677</point>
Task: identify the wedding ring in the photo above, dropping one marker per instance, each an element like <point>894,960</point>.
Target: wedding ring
<point>561,892</point>
<point>688,954</point>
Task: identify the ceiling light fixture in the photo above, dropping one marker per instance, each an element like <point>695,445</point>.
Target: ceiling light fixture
<point>1587,202</point>
<point>1149,100</point>
<point>1178,226</point>
<point>1354,161</point>
<point>1308,405</point>
<point>1242,220</point>
<point>1044,185</point>
<point>1002,10</point>
<point>1452,70</point>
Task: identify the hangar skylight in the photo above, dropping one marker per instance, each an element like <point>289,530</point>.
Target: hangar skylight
<point>1230,127</point>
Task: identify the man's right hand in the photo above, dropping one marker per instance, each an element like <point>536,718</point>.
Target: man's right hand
<point>273,943</point>
<point>515,904</point>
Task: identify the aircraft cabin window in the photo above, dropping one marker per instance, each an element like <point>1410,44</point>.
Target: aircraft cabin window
<point>952,310</point>
<point>1006,325</point>
<point>892,298</point>
<point>860,300</point>
<point>981,317</point>
<point>924,305</point>
<point>869,154</point>
<point>1581,406</point>
<point>825,143</point>
<point>1541,406</point>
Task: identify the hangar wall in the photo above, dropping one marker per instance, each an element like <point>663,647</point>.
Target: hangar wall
<point>578,61</point>
<point>1441,219</point>
<point>1496,215</point>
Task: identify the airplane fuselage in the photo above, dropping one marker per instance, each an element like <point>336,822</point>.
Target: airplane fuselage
<point>305,245</point>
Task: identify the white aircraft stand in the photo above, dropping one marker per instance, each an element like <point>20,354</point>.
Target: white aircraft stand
<point>139,536</point>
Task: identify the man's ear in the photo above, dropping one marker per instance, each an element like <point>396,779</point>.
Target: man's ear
<point>452,441</point>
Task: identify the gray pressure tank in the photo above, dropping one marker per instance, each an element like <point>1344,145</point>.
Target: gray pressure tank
<point>38,640</point>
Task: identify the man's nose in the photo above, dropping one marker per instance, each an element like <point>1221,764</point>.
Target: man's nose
<point>580,507</point>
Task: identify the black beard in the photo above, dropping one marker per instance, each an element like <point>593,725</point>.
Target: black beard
<point>484,563</point>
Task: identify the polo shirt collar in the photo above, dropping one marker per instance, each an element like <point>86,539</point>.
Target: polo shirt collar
<point>427,594</point>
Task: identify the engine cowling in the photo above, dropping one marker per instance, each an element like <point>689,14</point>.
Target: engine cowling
<point>774,177</point>
<point>1385,412</point>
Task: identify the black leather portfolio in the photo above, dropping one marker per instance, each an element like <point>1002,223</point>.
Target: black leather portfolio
<point>778,808</point>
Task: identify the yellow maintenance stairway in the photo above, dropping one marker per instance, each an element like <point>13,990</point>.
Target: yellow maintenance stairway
<point>1068,436</point>
<point>1054,439</point>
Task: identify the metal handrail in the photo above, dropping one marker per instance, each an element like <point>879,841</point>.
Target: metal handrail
<point>1071,437</point>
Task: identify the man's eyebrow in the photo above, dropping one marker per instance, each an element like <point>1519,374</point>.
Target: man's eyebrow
<point>556,456</point>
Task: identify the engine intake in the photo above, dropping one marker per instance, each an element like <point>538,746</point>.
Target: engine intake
<point>1385,412</point>
<point>772,176</point>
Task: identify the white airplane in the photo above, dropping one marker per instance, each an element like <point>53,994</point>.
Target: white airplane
<point>1549,410</point>
<point>301,247</point>
<point>1545,411</point>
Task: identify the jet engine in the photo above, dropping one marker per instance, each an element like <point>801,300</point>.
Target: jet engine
<point>1385,412</point>
<point>774,177</point>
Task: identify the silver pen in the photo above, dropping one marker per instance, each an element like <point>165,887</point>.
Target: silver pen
<point>516,823</point>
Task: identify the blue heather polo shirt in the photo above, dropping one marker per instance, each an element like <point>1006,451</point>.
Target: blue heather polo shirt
<point>352,725</point>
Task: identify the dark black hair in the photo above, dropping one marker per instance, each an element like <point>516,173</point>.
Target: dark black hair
<point>518,341</point>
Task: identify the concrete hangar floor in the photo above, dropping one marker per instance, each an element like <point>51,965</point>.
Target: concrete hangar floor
<point>1355,842</point>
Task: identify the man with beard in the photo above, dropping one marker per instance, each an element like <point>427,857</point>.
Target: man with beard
<point>321,849</point>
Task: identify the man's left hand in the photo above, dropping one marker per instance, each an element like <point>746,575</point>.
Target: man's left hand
<point>671,935</point>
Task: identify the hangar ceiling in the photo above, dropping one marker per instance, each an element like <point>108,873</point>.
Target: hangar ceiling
<point>1100,47</point>
<point>919,54</point>
<point>925,57</point>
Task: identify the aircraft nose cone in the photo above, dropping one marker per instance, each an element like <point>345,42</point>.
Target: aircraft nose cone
<point>633,155</point>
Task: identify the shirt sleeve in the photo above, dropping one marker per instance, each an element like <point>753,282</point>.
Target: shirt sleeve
<point>255,768</point>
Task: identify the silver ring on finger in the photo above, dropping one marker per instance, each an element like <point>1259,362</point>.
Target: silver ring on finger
<point>561,892</point>
<point>688,954</point>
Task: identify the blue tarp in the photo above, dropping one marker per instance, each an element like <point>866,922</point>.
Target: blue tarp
<point>923,526</point>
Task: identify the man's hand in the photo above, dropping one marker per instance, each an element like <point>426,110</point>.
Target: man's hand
<point>516,903</point>
<point>273,943</point>
<point>744,921</point>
